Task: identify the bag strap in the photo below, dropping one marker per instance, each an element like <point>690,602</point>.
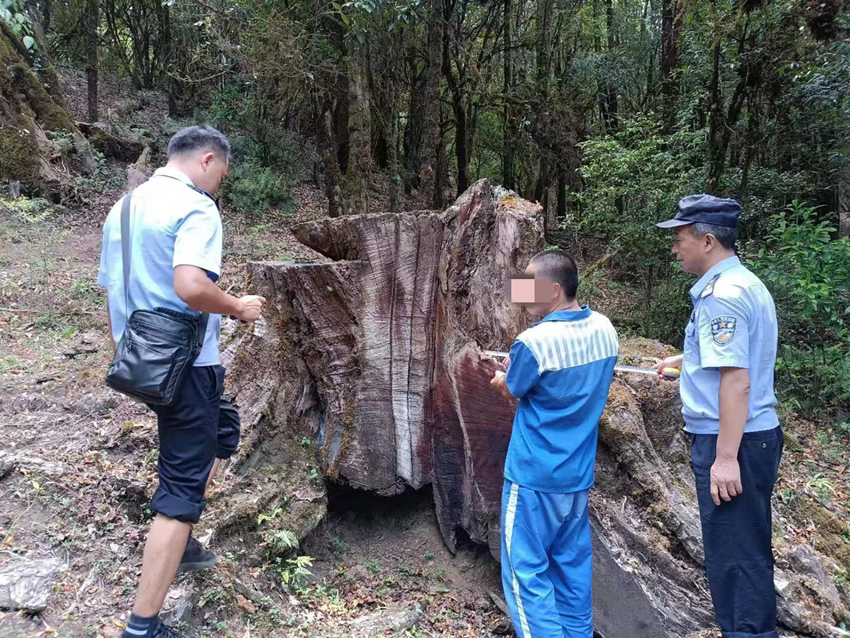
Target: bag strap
<point>202,329</point>
<point>125,262</point>
<point>125,249</point>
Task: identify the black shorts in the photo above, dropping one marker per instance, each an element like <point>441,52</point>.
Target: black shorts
<point>197,429</point>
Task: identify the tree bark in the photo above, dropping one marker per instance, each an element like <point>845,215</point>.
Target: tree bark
<point>328,150</point>
<point>413,132</point>
<point>356,191</point>
<point>608,103</point>
<point>45,6</point>
<point>92,22</point>
<point>508,115</point>
<point>431,136</point>
<point>722,126</point>
<point>844,203</point>
<point>671,58</point>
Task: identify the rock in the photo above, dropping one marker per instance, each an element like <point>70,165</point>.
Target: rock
<point>482,604</point>
<point>138,173</point>
<point>12,459</point>
<point>178,606</point>
<point>31,402</point>
<point>26,584</point>
<point>84,152</point>
<point>141,135</point>
<point>96,403</point>
<point>500,603</point>
<point>380,623</point>
<point>110,145</point>
<point>804,560</point>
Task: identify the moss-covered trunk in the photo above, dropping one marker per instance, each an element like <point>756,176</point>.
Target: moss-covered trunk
<point>31,109</point>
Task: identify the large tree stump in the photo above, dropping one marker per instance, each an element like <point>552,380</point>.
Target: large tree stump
<point>374,358</point>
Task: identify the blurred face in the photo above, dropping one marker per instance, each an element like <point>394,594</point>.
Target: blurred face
<point>691,252</point>
<point>537,296</point>
<point>212,172</point>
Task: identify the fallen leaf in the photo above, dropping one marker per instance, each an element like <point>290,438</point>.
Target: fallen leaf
<point>245,604</point>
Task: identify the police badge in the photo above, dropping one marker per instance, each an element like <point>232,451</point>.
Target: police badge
<point>723,329</point>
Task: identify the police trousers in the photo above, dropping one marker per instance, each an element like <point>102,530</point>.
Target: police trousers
<point>546,562</point>
<point>737,535</point>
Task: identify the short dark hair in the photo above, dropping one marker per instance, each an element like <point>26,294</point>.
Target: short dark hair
<point>560,267</point>
<point>199,138</point>
<point>725,236</point>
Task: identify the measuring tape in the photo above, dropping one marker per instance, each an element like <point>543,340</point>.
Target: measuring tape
<point>670,373</point>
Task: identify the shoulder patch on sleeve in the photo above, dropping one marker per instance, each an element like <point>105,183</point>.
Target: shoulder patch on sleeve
<point>723,329</point>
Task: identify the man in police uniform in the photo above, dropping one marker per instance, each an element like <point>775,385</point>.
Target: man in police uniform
<point>729,409</point>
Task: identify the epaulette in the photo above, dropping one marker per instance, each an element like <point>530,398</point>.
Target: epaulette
<point>709,289</point>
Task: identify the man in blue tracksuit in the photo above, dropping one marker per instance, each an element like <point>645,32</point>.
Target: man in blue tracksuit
<point>560,369</point>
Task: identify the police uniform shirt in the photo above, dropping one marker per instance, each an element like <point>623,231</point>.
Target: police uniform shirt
<point>733,325</point>
<point>172,223</point>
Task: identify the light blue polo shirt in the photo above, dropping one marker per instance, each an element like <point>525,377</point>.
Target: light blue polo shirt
<point>171,224</point>
<point>560,370</point>
<point>733,325</point>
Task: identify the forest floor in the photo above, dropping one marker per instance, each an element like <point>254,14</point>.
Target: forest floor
<point>78,462</point>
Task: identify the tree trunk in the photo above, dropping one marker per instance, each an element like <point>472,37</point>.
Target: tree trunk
<point>31,104</point>
<point>608,104</point>
<point>715,109</point>
<point>45,7</point>
<point>375,357</point>
<point>356,191</point>
<point>508,116</point>
<point>844,204</point>
<point>413,132</point>
<point>431,137</point>
<point>394,178</point>
<point>92,20</point>
<point>671,58</point>
<point>562,196</point>
<point>327,147</point>
<point>462,150</point>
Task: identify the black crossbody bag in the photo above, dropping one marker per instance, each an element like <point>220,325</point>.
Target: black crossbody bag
<point>158,348</point>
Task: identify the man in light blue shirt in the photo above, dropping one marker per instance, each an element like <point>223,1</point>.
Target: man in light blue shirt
<point>175,246</point>
<point>729,409</point>
<point>560,369</point>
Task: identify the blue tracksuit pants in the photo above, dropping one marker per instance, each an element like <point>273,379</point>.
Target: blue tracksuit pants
<point>546,562</point>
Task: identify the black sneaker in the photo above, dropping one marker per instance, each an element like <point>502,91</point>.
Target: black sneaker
<point>195,557</point>
<point>164,631</point>
<point>160,630</point>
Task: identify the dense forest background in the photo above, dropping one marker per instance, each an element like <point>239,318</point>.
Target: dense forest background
<point>604,111</point>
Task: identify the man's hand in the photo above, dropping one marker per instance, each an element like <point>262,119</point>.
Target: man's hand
<point>725,480</point>
<point>669,362</point>
<point>499,384</point>
<point>250,308</point>
<point>734,400</point>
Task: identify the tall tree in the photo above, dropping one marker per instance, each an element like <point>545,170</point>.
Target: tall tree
<point>431,135</point>
<point>671,57</point>
<point>92,21</point>
<point>509,132</point>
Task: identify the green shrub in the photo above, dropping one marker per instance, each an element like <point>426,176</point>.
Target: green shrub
<point>254,188</point>
<point>634,179</point>
<point>808,274</point>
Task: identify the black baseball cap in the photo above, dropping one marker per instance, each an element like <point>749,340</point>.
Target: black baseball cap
<point>706,209</point>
